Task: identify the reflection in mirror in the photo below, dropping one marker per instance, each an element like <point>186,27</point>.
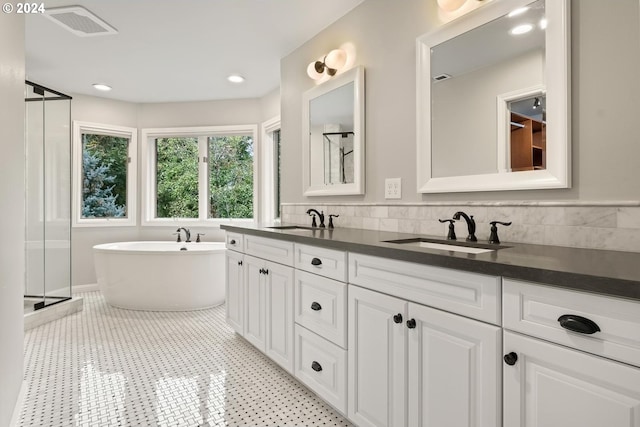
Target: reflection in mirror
<point>333,136</point>
<point>478,80</point>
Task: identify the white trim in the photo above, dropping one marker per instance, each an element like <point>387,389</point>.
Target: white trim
<point>268,173</point>
<point>355,75</point>
<point>79,128</point>
<point>558,83</point>
<point>148,189</point>
<point>89,287</point>
<point>17,408</point>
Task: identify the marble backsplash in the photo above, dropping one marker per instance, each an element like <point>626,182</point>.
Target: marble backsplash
<point>598,225</point>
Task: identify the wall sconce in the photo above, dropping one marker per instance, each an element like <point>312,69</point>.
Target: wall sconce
<point>331,63</point>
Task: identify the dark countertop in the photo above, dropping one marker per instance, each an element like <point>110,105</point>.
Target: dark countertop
<point>600,271</point>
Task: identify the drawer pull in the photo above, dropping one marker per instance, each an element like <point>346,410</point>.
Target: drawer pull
<point>510,359</point>
<point>316,306</point>
<point>232,242</point>
<point>316,366</point>
<point>397,318</point>
<point>411,323</point>
<point>316,261</point>
<point>239,262</point>
<point>579,324</point>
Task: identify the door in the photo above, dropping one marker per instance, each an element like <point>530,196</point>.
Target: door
<point>279,314</point>
<point>455,368</point>
<point>377,358</point>
<point>254,293</point>
<point>550,385</point>
<point>234,290</point>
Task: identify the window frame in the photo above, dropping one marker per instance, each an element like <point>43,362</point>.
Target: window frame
<point>80,127</point>
<point>148,176</point>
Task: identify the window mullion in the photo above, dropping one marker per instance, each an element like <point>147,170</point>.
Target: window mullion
<point>203,178</point>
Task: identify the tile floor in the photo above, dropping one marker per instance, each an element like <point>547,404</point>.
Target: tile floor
<point>111,367</point>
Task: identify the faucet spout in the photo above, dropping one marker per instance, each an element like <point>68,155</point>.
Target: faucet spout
<point>187,234</point>
<point>471,225</point>
<point>319,214</point>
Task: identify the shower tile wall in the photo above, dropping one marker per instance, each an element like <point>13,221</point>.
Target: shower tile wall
<point>605,226</point>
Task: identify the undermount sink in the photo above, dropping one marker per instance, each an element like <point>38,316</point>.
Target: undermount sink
<point>469,248</point>
<point>292,228</point>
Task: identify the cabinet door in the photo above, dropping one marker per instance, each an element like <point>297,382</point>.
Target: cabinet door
<point>455,370</point>
<point>254,293</point>
<point>377,359</point>
<point>234,289</point>
<point>279,314</point>
<point>551,385</point>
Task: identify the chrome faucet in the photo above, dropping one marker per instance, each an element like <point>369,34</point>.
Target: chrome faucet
<point>320,217</point>
<point>187,234</point>
<point>471,225</point>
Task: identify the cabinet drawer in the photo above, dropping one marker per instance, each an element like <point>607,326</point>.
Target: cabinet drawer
<point>321,306</point>
<point>274,250</point>
<point>234,241</point>
<point>325,262</point>
<point>321,366</point>
<point>536,309</point>
<point>469,294</point>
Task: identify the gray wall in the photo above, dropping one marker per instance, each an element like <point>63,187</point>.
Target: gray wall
<point>179,114</point>
<point>605,90</point>
<point>13,215</point>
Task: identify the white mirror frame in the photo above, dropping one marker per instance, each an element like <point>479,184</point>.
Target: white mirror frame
<point>355,75</point>
<point>558,82</point>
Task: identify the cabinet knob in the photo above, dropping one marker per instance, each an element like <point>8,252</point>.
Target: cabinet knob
<point>411,323</point>
<point>266,271</point>
<point>316,306</point>
<point>397,318</point>
<point>232,242</point>
<point>316,261</point>
<point>575,323</point>
<point>510,359</point>
<point>316,366</point>
<point>239,262</point>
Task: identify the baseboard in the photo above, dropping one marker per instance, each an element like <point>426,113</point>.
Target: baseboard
<point>91,287</point>
<point>17,409</point>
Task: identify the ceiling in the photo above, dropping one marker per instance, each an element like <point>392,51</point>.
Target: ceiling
<point>176,50</point>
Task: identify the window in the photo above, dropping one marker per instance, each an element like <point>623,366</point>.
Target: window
<point>198,175</point>
<point>104,174</point>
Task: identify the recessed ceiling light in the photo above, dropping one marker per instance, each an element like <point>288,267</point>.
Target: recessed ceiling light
<point>518,11</point>
<point>102,87</point>
<point>521,29</point>
<point>235,78</point>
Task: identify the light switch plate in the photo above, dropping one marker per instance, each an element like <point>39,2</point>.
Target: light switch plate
<point>393,188</point>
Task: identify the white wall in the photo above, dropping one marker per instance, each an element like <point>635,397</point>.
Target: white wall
<point>12,194</point>
<point>179,114</point>
<point>605,90</point>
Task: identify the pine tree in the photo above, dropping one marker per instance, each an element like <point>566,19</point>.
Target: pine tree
<point>98,200</point>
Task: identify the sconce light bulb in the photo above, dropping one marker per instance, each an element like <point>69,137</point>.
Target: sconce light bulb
<point>336,59</point>
<point>451,5</point>
<point>312,70</point>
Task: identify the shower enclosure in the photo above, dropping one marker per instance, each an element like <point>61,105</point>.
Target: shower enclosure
<point>48,196</point>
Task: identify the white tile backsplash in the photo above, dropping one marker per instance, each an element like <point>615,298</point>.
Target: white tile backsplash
<point>597,225</point>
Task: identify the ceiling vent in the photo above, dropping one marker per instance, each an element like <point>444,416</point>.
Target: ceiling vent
<point>79,21</point>
<point>441,77</point>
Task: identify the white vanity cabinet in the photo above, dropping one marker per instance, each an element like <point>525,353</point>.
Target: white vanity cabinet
<point>410,364</point>
<point>557,377</point>
<point>234,304</point>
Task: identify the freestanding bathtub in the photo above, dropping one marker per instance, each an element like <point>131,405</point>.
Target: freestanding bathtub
<point>161,276</point>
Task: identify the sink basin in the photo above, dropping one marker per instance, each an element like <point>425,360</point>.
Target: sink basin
<point>469,248</point>
<point>292,227</point>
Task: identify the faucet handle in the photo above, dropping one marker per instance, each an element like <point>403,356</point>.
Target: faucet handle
<point>493,238</point>
<point>313,220</point>
<point>331,216</point>
<point>198,237</point>
<point>177,234</point>
<point>452,230</point>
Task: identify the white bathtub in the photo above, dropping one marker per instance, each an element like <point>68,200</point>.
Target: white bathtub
<point>160,276</point>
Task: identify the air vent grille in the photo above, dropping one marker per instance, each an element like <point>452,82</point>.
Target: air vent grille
<point>80,21</point>
<point>441,77</point>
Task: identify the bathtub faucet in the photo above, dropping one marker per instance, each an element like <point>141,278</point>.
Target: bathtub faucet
<point>187,234</point>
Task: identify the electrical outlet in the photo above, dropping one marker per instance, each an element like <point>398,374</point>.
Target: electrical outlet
<point>393,188</point>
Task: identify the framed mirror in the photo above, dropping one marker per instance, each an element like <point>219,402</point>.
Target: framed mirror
<point>493,99</point>
<point>333,136</point>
